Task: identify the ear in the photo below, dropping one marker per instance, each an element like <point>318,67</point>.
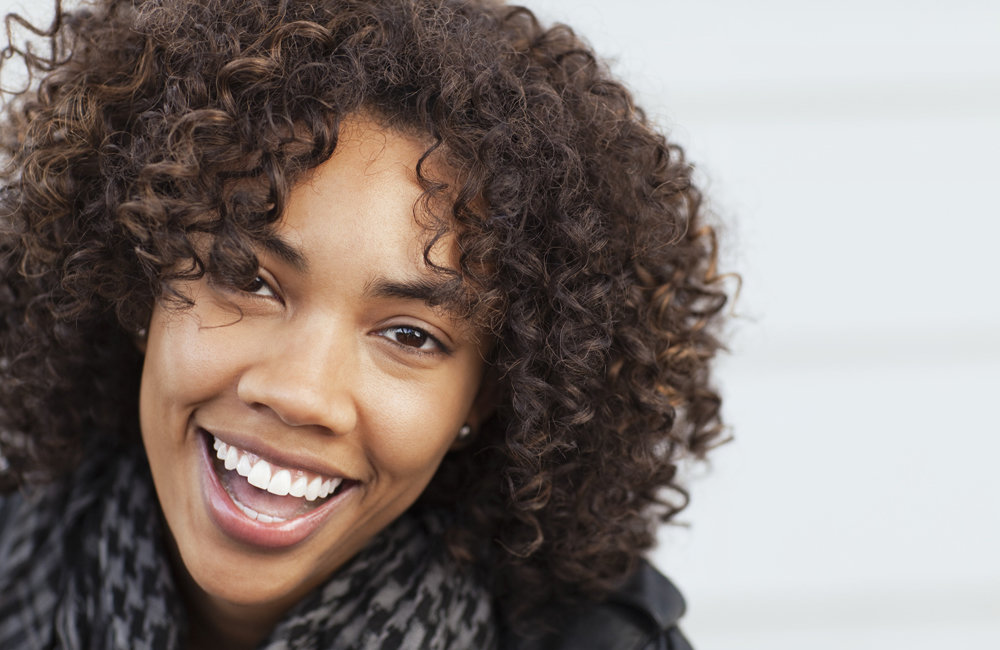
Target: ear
<point>482,407</point>
<point>139,340</point>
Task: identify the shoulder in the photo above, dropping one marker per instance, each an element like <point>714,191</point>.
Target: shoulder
<point>641,615</point>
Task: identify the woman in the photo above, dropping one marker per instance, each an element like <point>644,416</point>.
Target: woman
<point>401,307</point>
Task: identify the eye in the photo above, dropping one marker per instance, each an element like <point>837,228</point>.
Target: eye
<point>259,287</point>
<point>412,337</point>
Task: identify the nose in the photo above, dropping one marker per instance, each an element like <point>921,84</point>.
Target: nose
<point>306,379</point>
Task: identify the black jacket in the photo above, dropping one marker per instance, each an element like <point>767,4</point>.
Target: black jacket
<point>641,615</point>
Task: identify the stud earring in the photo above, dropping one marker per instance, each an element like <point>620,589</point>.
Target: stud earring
<point>464,431</point>
<point>141,334</point>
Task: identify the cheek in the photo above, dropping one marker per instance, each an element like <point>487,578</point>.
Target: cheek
<point>184,361</point>
<point>416,424</point>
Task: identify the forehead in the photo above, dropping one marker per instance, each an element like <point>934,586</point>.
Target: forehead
<point>369,193</point>
<point>362,220</point>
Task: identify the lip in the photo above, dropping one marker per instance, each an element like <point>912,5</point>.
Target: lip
<point>236,525</point>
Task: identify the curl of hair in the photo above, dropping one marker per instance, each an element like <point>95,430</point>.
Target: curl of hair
<point>160,124</point>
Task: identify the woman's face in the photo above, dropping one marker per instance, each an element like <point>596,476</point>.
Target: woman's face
<point>337,378</point>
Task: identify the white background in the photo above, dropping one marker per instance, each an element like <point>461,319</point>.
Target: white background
<point>852,152</point>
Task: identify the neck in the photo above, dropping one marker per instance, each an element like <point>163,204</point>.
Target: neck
<point>215,623</point>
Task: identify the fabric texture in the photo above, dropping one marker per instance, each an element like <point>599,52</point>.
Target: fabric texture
<point>641,615</point>
<point>83,566</point>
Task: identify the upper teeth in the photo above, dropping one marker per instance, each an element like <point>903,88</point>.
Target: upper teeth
<point>268,476</point>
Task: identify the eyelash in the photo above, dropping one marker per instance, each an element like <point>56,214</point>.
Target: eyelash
<point>440,348</point>
<point>259,283</point>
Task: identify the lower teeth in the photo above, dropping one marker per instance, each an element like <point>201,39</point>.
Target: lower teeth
<point>227,476</point>
<point>253,514</point>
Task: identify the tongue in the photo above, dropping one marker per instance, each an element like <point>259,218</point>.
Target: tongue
<point>264,502</point>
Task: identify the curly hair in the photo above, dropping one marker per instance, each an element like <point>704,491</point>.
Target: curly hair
<point>158,123</point>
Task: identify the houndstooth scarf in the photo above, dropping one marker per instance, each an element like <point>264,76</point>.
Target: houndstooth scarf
<point>84,566</point>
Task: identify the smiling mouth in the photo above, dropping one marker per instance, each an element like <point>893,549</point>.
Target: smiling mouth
<point>267,492</point>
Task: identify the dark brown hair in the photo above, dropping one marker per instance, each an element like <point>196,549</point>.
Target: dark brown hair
<point>157,124</point>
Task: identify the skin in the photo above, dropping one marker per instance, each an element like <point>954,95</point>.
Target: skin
<point>320,363</point>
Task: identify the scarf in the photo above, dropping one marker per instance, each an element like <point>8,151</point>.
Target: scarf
<point>84,566</point>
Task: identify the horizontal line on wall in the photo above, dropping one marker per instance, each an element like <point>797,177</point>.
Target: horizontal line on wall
<point>892,100</point>
<point>863,607</point>
<point>764,348</point>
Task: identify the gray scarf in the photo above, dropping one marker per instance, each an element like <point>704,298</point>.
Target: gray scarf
<point>83,566</point>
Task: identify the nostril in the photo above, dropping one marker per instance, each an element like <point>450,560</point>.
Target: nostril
<point>304,387</point>
<point>299,406</point>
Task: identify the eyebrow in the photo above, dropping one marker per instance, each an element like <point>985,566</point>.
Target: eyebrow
<point>434,292</point>
<point>286,252</point>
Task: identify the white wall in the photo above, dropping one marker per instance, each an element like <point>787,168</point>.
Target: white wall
<point>853,151</point>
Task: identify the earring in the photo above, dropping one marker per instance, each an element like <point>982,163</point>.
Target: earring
<point>141,334</point>
<point>464,432</point>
